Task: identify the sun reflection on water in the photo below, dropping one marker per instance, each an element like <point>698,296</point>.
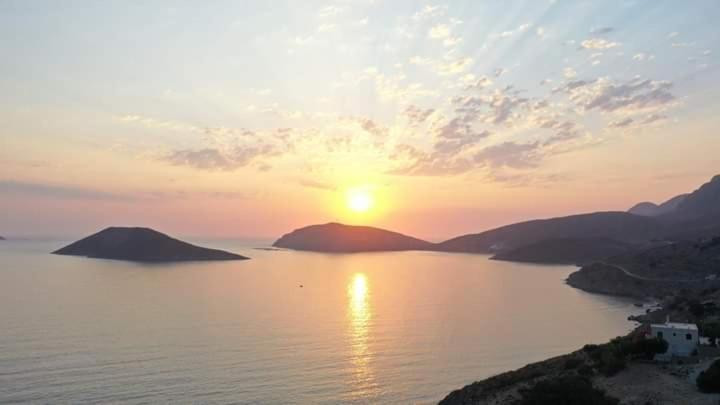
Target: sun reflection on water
<point>360,316</point>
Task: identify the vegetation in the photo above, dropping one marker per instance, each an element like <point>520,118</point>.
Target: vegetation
<point>611,358</point>
<point>711,330</point>
<point>709,380</point>
<point>565,390</point>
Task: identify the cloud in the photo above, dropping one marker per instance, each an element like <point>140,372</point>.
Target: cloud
<point>329,11</point>
<point>454,67</point>
<point>439,31</point>
<point>569,73</point>
<point>416,115</point>
<point>641,57</point>
<point>326,27</point>
<point>429,12</point>
<point>629,97</point>
<point>56,191</point>
<point>621,123</point>
<point>519,30</point>
<point>601,30</point>
<point>540,31</point>
<point>215,159</point>
<point>509,154</point>
<point>479,83</point>
<point>316,184</point>
<point>499,72</point>
<point>598,43</point>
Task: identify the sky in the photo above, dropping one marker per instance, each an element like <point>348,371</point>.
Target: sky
<point>253,118</point>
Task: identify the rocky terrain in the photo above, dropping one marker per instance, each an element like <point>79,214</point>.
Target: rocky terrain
<point>143,245</point>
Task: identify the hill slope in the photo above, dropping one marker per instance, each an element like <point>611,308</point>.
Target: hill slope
<point>656,271</point>
<point>702,202</point>
<point>650,209</point>
<point>339,238</point>
<point>566,251</point>
<point>141,244</point>
<point>620,226</point>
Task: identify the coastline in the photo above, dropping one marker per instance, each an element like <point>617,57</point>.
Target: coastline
<point>639,382</point>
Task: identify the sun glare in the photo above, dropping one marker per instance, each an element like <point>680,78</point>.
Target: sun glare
<point>360,200</point>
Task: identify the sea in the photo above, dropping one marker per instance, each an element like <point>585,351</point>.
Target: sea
<point>285,327</point>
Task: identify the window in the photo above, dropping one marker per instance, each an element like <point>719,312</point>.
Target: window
<point>688,336</point>
<point>659,334</point>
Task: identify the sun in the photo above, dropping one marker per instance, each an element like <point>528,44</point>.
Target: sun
<point>360,200</point>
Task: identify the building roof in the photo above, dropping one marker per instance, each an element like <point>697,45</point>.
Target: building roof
<point>675,325</point>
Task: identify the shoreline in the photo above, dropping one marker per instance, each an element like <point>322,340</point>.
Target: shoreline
<point>639,382</point>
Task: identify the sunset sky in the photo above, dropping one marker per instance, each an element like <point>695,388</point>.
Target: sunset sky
<point>252,118</point>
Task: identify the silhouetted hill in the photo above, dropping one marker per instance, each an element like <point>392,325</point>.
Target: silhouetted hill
<point>339,238</point>
<point>1,238</point>
<point>650,209</point>
<point>657,271</point>
<point>704,201</point>
<point>143,245</point>
<point>620,226</point>
<point>566,251</point>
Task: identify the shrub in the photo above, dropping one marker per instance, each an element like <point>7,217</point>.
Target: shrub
<point>565,390</point>
<point>648,348</point>
<point>573,363</point>
<point>611,363</point>
<point>586,370</point>
<point>709,380</point>
<point>711,330</point>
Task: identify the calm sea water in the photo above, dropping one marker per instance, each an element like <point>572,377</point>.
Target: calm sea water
<point>364,328</point>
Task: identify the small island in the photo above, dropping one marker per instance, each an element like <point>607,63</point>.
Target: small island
<point>339,238</point>
<point>141,245</point>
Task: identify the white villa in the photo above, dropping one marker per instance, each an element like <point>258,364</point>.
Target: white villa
<point>682,338</point>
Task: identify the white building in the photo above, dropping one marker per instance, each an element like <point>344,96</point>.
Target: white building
<point>682,338</point>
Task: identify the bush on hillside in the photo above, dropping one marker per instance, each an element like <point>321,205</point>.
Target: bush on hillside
<point>565,390</point>
<point>648,348</point>
<point>709,380</point>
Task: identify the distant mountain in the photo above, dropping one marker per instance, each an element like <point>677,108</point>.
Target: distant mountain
<point>619,226</point>
<point>1,238</point>
<point>704,201</point>
<point>566,251</point>
<point>650,209</point>
<point>570,239</point>
<point>143,245</point>
<point>339,238</point>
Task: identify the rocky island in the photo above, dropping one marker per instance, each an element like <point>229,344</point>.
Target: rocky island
<point>141,245</point>
<point>339,238</point>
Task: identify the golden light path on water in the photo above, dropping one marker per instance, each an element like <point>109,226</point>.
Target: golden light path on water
<point>360,316</point>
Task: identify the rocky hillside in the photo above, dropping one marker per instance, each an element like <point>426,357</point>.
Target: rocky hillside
<point>657,271</point>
